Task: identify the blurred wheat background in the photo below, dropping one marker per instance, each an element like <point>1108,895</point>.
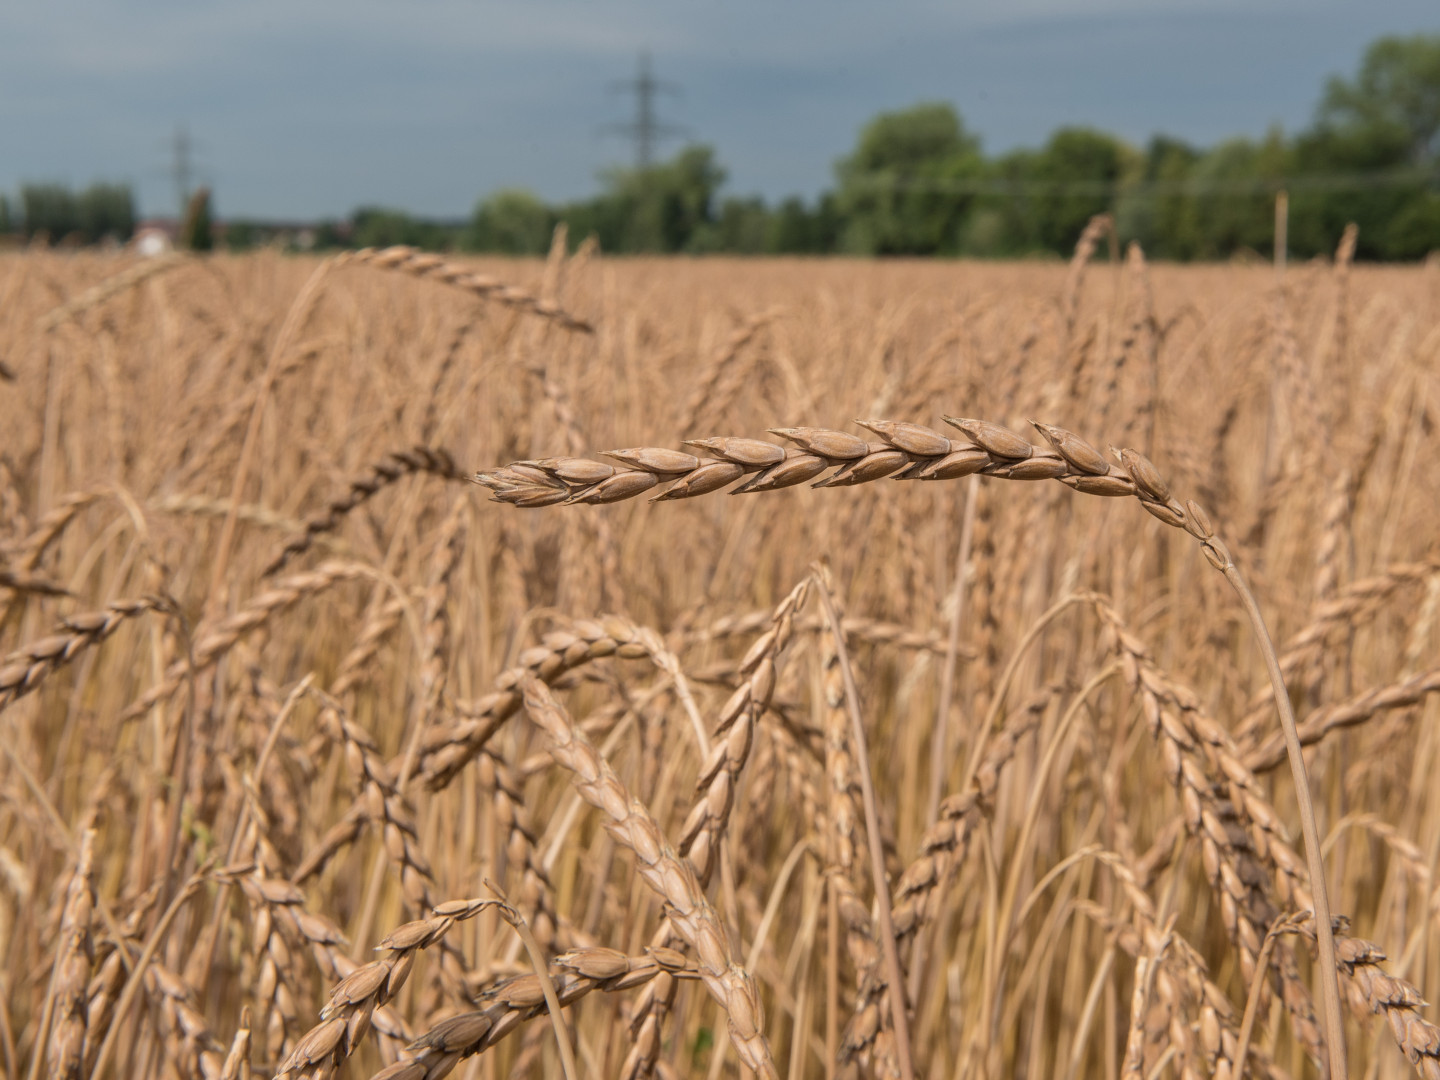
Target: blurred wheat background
<point>265,647</point>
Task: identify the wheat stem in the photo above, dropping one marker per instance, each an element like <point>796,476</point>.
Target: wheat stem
<point>1329,975</point>
<point>894,974</point>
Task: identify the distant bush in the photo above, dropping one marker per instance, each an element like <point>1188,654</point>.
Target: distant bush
<point>100,211</point>
<point>380,227</point>
<point>511,221</point>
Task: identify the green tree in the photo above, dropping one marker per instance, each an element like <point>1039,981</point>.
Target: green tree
<point>669,207</point>
<point>1397,90</point>
<point>1414,232</point>
<point>1160,212</point>
<point>903,190</point>
<point>1367,160</point>
<point>512,221</point>
<point>1079,172</point>
<point>241,234</point>
<point>51,209</point>
<point>1004,220</point>
<point>197,230</point>
<point>5,224</point>
<point>1386,122</point>
<point>106,210</point>
<point>331,234</point>
<point>744,226</point>
<point>798,230</point>
<point>793,231</point>
<point>1040,200</point>
<point>1236,183</point>
<point>372,226</point>
<point>669,204</point>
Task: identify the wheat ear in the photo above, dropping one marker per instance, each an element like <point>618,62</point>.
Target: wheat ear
<point>214,640</point>
<point>392,467</point>
<point>348,1015</point>
<point>448,746</point>
<point>408,260</point>
<point>30,583</point>
<point>1241,840</point>
<point>115,283</point>
<point>73,960</point>
<point>910,451</point>
<point>26,668</point>
<point>236,1065</point>
<point>942,849</point>
<point>512,1001</point>
<point>1319,722</point>
<point>858,629</point>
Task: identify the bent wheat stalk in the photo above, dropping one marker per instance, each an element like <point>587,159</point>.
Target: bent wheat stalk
<point>408,260</point>
<point>909,451</point>
<point>884,924</point>
<point>393,467</point>
<point>115,283</point>
<point>671,876</point>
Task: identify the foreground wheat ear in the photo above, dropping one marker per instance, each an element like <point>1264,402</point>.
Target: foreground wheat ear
<point>907,451</point>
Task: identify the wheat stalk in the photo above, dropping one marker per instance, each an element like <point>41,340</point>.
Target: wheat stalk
<point>942,849</point>
<point>706,824</point>
<point>213,641</point>
<point>1243,843</point>
<point>30,583</point>
<point>1047,883</point>
<point>670,876</point>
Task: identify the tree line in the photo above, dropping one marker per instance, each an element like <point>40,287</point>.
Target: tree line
<point>918,182</point>
<point>99,212</point>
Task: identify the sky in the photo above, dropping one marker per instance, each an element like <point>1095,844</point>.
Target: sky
<point>300,109</point>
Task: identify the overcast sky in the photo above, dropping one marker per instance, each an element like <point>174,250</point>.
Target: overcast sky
<point>302,108</point>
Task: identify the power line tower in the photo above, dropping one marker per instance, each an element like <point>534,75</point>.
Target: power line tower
<point>647,130</point>
<point>181,169</point>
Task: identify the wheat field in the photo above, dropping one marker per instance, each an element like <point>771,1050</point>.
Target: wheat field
<point>319,758</point>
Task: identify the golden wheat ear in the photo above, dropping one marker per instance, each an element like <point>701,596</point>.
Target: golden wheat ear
<point>918,452</point>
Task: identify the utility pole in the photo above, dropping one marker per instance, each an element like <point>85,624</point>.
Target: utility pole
<point>180,168</point>
<point>647,130</point>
